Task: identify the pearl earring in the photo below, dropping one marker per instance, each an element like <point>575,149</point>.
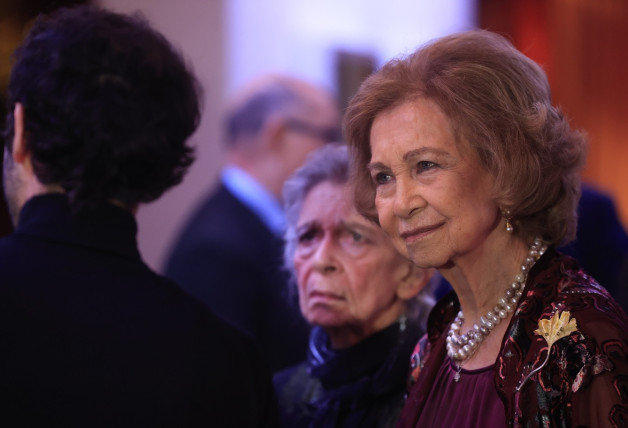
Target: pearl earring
<point>508,216</point>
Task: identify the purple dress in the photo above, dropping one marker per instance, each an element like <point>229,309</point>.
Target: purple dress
<point>470,402</point>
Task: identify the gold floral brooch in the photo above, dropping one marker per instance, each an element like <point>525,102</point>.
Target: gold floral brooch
<point>559,326</point>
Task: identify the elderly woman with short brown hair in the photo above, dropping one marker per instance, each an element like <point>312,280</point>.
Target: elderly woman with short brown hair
<point>463,160</point>
<point>367,304</point>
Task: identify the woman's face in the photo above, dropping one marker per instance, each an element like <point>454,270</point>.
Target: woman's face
<point>432,196</point>
<point>349,274</point>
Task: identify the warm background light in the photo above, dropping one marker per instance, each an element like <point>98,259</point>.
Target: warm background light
<point>582,44</point>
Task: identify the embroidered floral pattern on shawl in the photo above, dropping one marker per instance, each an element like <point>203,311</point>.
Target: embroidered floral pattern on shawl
<point>585,380</point>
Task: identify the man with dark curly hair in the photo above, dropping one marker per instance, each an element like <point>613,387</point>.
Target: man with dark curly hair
<point>101,109</point>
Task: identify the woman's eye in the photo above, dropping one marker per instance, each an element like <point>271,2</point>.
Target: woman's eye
<point>307,236</point>
<point>357,237</point>
<point>381,178</point>
<point>425,166</point>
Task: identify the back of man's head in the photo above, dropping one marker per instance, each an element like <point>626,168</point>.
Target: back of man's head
<point>274,122</point>
<point>278,96</point>
<point>108,106</point>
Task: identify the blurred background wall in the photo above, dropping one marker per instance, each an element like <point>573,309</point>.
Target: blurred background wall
<point>582,44</point>
<point>583,47</point>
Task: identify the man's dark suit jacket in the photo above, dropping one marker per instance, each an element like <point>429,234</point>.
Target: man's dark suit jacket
<point>90,336</point>
<point>601,246</point>
<point>230,260</point>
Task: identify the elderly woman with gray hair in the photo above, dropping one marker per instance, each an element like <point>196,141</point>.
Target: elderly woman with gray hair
<point>367,304</point>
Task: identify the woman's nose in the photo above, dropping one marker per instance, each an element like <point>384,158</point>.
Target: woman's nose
<point>407,197</point>
<point>325,257</point>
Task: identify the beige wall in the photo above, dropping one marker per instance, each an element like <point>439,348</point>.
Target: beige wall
<point>196,27</point>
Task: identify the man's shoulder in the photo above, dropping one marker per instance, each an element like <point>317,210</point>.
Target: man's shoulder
<point>224,229</point>
<point>220,330</point>
<point>6,242</point>
<point>220,200</point>
<point>222,215</point>
<point>18,253</point>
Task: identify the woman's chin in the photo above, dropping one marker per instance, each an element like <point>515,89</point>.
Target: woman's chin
<point>326,319</point>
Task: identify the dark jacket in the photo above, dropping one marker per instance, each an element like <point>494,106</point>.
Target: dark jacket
<point>584,382</point>
<point>230,260</point>
<point>362,386</point>
<point>90,336</point>
<point>601,246</point>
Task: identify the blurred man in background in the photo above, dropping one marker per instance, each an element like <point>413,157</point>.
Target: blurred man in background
<point>230,253</point>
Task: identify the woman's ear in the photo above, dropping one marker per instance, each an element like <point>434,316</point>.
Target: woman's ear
<point>19,151</point>
<point>415,281</point>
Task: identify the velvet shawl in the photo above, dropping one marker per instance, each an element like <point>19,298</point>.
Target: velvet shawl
<point>584,382</point>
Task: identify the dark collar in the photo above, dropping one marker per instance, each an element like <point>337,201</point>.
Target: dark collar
<point>107,227</point>
<point>375,361</point>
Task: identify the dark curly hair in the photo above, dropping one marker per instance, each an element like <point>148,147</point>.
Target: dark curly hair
<point>109,105</point>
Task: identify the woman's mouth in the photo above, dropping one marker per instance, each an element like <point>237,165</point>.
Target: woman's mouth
<point>323,297</point>
<point>413,235</point>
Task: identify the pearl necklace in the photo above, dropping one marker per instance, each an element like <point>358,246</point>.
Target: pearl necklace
<point>461,347</point>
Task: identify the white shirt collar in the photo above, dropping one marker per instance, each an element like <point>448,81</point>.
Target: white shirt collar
<point>255,196</point>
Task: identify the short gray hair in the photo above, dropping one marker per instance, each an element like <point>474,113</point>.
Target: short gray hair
<point>331,163</point>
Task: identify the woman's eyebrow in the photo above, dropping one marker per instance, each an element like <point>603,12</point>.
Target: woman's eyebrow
<point>408,156</point>
<point>423,151</point>
<point>375,166</point>
<point>306,225</point>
